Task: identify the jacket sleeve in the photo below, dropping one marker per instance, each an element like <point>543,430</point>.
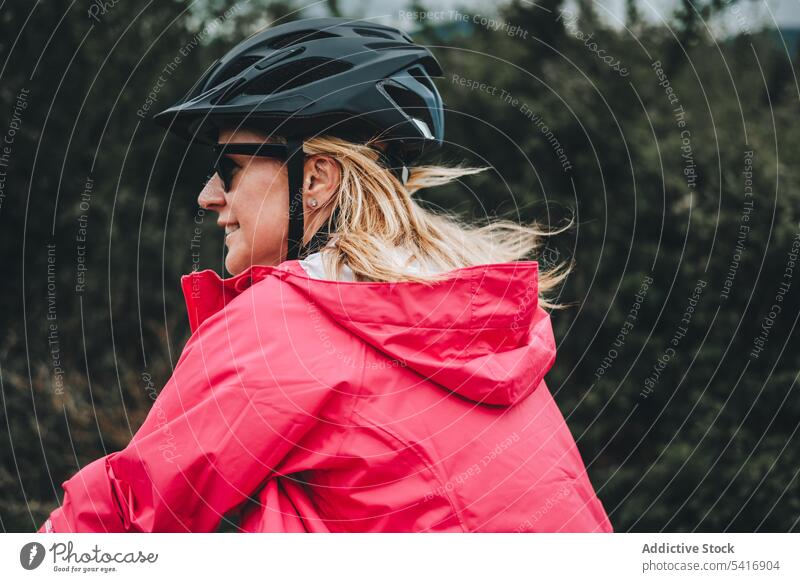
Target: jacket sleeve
<point>239,399</point>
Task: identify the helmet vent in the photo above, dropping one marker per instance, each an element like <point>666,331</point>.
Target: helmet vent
<point>432,66</point>
<point>388,45</point>
<point>411,103</point>
<point>295,74</point>
<point>420,76</point>
<point>236,67</point>
<point>299,36</point>
<point>373,32</point>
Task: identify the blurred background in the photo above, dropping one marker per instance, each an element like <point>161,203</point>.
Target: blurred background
<point>668,130</point>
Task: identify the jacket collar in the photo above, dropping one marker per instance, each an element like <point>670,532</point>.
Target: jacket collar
<point>205,292</point>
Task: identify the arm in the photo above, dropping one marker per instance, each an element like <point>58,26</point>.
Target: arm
<point>232,410</point>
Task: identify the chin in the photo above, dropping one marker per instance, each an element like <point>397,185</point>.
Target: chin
<point>233,265</point>
<point>238,261</point>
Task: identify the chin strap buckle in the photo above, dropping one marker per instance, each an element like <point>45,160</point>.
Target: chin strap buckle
<point>395,164</point>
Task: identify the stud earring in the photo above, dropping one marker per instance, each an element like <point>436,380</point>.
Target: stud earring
<point>312,202</point>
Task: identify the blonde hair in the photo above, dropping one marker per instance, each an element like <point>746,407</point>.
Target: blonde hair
<point>377,213</point>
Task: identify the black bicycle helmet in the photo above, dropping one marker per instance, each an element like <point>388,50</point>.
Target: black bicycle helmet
<point>353,79</point>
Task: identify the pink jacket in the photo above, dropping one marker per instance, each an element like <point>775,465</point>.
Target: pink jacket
<point>303,404</point>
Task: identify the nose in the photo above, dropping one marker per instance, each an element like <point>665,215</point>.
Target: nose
<point>212,196</point>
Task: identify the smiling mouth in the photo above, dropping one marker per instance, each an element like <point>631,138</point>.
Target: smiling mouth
<point>230,229</point>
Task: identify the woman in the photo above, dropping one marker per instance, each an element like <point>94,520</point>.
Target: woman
<point>369,365</point>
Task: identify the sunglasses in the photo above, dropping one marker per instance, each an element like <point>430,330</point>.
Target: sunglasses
<point>226,168</point>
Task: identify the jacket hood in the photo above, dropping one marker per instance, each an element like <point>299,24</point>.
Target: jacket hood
<point>479,332</point>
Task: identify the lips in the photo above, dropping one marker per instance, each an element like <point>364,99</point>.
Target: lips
<point>229,230</point>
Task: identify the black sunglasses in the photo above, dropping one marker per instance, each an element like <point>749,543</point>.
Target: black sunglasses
<point>225,167</point>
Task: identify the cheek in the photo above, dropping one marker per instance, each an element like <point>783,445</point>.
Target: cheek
<point>260,206</point>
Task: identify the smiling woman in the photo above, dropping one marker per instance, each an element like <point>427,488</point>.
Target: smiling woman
<point>371,365</point>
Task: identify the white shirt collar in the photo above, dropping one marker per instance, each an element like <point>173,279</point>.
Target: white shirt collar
<point>314,267</point>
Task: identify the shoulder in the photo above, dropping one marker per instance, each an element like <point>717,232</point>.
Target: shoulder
<point>273,327</point>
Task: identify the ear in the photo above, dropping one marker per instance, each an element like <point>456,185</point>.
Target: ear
<point>322,176</point>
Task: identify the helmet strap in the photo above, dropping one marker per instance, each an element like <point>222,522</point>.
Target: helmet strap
<point>394,163</point>
<point>323,234</point>
<point>295,162</point>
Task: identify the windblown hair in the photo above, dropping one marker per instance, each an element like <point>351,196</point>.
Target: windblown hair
<point>378,212</point>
